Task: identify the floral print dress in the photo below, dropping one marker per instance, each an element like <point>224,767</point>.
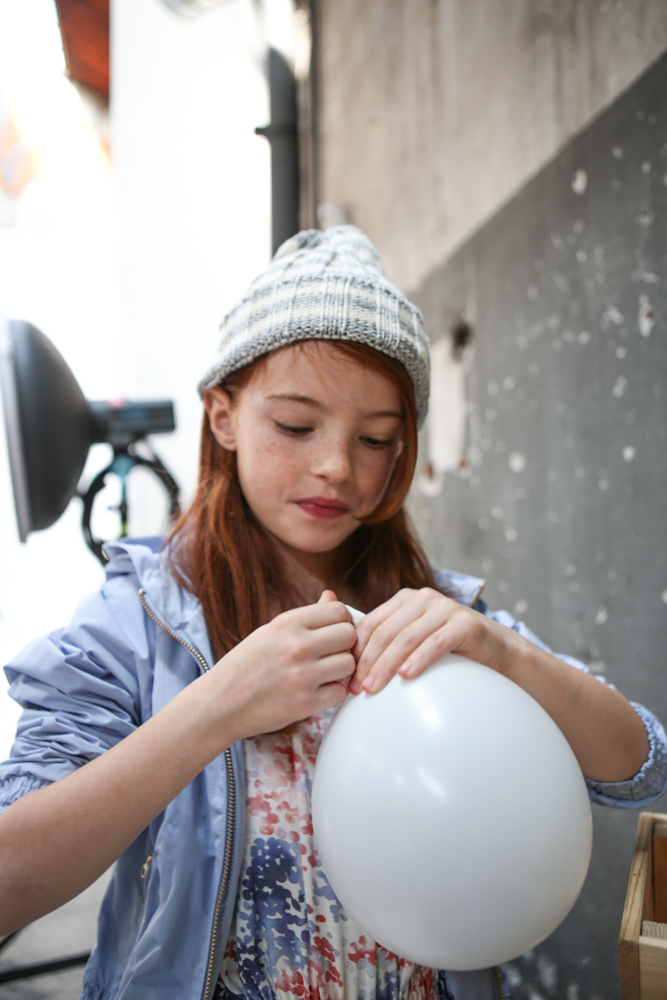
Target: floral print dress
<point>290,937</point>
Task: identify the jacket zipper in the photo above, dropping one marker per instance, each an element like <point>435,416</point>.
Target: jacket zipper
<point>499,983</point>
<point>231,800</point>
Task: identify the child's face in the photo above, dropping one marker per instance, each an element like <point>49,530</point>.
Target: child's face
<point>316,436</point>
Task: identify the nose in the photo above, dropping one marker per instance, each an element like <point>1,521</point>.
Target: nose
<point>333,461</point>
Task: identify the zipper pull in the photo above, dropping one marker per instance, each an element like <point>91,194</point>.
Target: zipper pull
<point>145,866</point>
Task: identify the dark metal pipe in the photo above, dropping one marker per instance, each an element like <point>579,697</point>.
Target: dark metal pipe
<point>282,134</point>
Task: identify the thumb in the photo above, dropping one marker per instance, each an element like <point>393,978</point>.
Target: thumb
<point>327,597</point>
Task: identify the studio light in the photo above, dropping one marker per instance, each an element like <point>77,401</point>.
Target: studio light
<point>51,426</point>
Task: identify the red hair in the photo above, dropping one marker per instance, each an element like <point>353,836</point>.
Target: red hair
<point>222,555</point>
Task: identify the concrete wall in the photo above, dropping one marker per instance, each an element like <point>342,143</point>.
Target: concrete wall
<point>433,113</point>
<point>559,497</point>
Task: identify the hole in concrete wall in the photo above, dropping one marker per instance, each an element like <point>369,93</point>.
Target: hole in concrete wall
<point>461,337</point>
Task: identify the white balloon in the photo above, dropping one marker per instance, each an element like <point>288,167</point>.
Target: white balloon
<point>451,817</point>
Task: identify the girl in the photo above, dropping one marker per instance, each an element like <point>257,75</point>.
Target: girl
<point>173,726</point>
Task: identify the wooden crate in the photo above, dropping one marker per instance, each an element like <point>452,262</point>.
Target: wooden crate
<point>643,940</point>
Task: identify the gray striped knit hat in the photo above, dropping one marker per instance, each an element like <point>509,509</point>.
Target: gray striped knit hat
<point>327,285</point>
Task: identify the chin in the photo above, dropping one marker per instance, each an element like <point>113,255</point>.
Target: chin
<point>320,547</point>
<point>317,544</point>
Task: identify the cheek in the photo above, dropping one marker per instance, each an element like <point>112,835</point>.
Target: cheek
<point>264,463</point>
<point>378,473</point>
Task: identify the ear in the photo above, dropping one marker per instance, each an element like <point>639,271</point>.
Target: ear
<point>219,408</point>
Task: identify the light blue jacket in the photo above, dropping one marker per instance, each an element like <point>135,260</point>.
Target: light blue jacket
<point>129,650</point>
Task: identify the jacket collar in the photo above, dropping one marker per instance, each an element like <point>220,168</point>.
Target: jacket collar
<point>146,560</point>
<point>463,588</point>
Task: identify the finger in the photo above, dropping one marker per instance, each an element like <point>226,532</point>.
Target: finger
<point>329,696</point>
<point>315,616</point>
<point>400,633</point>
<point>337,667</point>
<point>374,633</point>
<point>435,646</point>
<point>330,639</point>
<point>378,616</point>
<point>327,596</point>
<point>401,651</point>
<point>469,634</point>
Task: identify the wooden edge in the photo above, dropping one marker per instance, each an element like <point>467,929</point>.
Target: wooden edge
<point>648,912</point>
<point>628,945</point>
<point>632,911</point>
<point>628,958</point>
<point>659,873</point>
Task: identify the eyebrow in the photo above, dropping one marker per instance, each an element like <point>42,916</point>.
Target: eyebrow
<point>307,401</point>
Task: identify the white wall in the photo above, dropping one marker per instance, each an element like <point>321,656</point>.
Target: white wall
<point>194,194</point>
<point>135,315</point>
<point>58,269</point>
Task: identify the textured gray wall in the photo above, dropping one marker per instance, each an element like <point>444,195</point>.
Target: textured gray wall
<point>561,500</point>
<point>432,113</point>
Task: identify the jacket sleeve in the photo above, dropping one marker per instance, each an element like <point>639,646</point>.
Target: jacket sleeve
<point>82,688</point>
<point>651,781</point>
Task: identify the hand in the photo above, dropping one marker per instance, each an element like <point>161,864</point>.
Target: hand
<point>295,666</point>
<point>415,628</point>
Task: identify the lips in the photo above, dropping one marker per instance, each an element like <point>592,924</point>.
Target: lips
<point>324,508</point>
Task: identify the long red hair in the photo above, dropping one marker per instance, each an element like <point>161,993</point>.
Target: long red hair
<point>222,555</point>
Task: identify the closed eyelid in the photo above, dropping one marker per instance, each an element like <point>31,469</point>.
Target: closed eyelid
<point>296,428</point>
<point>379,442</point>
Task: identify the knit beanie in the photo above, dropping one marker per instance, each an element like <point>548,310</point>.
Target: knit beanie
<point>327,285</point>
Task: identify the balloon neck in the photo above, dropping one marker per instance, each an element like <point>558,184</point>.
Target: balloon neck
<point>356,615</point>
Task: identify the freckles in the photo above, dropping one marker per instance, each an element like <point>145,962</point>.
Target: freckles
<point>281,459</point>
<point>272,449</point>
